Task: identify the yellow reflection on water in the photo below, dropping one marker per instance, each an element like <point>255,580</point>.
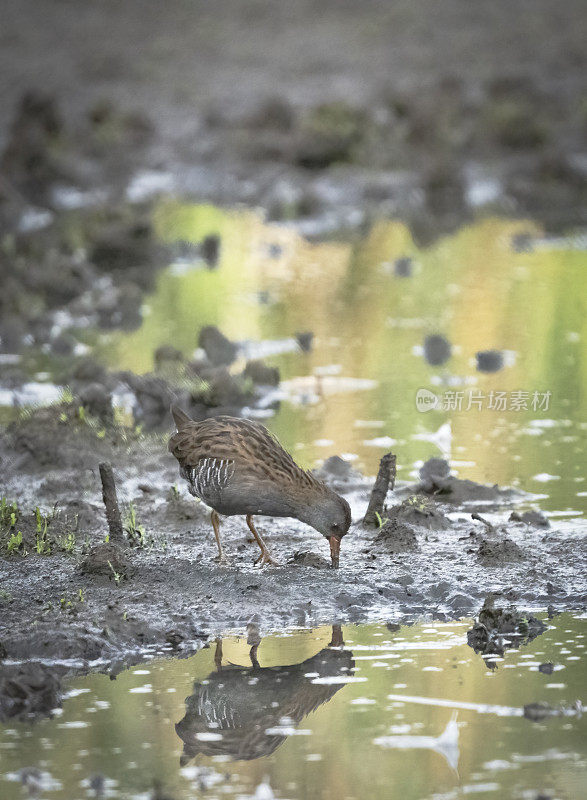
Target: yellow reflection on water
<point>472,287</point>
<point>404,685</point>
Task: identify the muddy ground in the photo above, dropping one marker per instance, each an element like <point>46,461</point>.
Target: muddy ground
<point>433,554</point>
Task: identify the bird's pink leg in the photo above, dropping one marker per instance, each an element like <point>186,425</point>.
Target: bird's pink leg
<point>265,557</point>
<point>216,525</point>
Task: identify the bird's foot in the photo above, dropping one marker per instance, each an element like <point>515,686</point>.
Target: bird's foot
<point>223,561</point>
<point>266,558</point>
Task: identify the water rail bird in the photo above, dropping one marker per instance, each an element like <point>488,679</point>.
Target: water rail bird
<point>236,466</point>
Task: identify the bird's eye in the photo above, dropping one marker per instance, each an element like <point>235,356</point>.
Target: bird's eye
<point>335,527</point>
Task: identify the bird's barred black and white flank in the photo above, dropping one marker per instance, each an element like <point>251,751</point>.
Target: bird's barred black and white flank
<point>210,475</point>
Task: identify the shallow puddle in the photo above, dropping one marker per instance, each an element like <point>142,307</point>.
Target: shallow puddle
<point>369,382</point>
<point>406,712</point>
<point>371,303</point>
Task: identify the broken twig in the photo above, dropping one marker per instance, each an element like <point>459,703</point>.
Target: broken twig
<point>385,480</point>
<point>479,518</point>
<point>111,503</point>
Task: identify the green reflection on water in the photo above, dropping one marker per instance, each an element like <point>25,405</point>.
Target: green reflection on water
<point>130,734</point>
<point>472,287</point>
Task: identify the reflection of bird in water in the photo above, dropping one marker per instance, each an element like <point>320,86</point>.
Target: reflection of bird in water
<point>238,711</point>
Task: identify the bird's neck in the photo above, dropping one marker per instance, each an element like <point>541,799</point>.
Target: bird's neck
<point>307,509</point>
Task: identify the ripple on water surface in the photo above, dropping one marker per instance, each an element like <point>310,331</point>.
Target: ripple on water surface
<point>408,711</point>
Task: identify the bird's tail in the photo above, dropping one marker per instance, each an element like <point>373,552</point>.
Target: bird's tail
<point>180,417</point>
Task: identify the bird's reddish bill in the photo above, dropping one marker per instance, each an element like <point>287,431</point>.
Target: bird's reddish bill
<point>334,550</point>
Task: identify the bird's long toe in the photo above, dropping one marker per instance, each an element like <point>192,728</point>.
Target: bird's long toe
<point>266,558</point>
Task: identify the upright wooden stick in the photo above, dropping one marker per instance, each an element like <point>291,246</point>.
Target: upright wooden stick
<point>385,480</point>
<point>111,503</point>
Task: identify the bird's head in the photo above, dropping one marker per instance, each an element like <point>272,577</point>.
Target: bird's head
<point>331,516</point>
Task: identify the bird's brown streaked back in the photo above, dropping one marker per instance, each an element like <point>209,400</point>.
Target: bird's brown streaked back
<point>237,466</point>
<point>256,452</point>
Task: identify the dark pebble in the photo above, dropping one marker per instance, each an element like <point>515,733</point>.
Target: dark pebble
<point>261,374</point>
<point>211,250</point>
<point>489,360</point>
<point>403,267</point>
<point>219,350</point>
<point>547,668</point>
<point>166,354</point>
<point>305,341</point>
<point>63,345</point>
<point>437,349</point>
<point>96,399</point>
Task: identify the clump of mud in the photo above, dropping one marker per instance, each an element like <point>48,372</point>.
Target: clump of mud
<point>498,629</point>
<point>397,537</point>
<point>60,436</point>
<point>437,349</point>
<point>497,552</point>
<point>437,480</point>
<point>535,518</point>
<point>261,374</point>
<point>339,474</point>
<point>219,350</point>
<point>28,691</point>
<point>489,360</point>
<point>305,558</point>
<point>107,559</point>
<point>420,511</point>
<point>495,547</point>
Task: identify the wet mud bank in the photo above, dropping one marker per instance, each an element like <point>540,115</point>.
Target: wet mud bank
<point>71,599</point>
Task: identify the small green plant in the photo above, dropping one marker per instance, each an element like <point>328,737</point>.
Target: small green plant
<point>65,604</point>
<point>418,502</point>
<point>134,530</point>
<point>42,544</point>
<point>381,520</point>
<point>116,575</point>
<point>14,544</point>
<point>81,595</point>
<point>66,396</point>
<point>174,492</point>
<point>9,513</point>
<point>5,597</point>
<point>67,542</point>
